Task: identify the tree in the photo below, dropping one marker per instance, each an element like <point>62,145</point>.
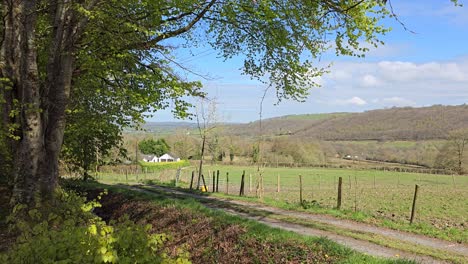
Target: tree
<point>87,138</point>
<point>458,139</point>
<point>54,54</point>
<point>155,147</point>
<point>206,123</point>
<point>452,154</point>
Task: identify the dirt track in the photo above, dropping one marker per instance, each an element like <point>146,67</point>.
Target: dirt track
<point>272,217</point>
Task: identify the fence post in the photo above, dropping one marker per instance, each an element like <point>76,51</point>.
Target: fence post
<point>413,208</point>
<point>191,180</point>
<point>250,183</point>
<point>320,181</point>
<point>126,176</point>
<point>278,183</point>
<point>204,183</point>
<point>214,181</point>
<point>300,190</point>
<point>241,191</point>
<point>217,181</point>
<point>340,184</point>
<point>227,182</point>
<point>355,193</point>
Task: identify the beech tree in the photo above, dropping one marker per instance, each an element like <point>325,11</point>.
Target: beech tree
<point>113,55</point>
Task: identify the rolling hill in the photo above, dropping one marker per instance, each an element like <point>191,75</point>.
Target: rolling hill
<point>405,123</point>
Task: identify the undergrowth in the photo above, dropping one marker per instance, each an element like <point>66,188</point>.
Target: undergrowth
<point>66,231</point>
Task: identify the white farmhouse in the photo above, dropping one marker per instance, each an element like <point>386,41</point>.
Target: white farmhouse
<point>150,158</point>
<point>168,157</point>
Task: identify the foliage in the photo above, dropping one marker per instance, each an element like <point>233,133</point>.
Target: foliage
<point>5,159</point>
<point>158,166</point>
<point>68,232</point>
<point>452,155</point>
<point>255,153</point>
<point>155,147</point>
<point>88,138</point>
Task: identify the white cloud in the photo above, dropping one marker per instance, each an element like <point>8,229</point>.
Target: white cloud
<point>387,79</point>
<point>408,71</point>
<point>369,80</point>
<point>356,86</point>
<point>352,101</point>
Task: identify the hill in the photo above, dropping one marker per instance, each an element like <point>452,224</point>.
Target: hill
<point>163,128</point>
<point>406,123</point>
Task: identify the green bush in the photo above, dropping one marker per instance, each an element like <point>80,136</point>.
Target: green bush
<point>68,232</point>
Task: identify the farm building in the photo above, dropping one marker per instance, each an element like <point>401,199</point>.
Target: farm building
<point>150,158</point>
<point>168,157</point>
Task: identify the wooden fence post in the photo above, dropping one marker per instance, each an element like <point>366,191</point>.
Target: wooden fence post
<point>355,193</point>
<point>191,180</point>
<point>227,182</point>
<point>278,183</point>
<point>126,176</point>
<point>250,182</point>
<point>217,181</point>
<point>300,190</point>
<point>320,181</point>
<point>214,182</point>
<point>204,183</point>
<point>241,191</point>
<point>340,184</point>
<point>413,208</point>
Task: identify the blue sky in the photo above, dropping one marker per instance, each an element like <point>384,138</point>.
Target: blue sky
<point>423,68</point>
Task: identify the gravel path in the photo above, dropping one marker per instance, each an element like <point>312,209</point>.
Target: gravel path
<point>240,207</point>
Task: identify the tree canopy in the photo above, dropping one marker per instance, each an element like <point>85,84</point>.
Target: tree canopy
<point>155,147</point>
<point>65,63</point>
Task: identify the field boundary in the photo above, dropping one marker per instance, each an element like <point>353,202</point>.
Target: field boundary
<point>302,223</point>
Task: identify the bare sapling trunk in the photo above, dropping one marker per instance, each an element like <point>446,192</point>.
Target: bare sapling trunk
<point>201,157</point>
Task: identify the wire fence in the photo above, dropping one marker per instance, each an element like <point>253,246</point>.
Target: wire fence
<point>382,194</point>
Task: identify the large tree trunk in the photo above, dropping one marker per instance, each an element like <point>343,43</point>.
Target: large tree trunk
<point>19,65</point>
<point>40,105</point>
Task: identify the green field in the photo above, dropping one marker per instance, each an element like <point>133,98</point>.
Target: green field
<point>378,197</point>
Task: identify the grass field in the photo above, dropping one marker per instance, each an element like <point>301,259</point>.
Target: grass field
<point>378,197</point>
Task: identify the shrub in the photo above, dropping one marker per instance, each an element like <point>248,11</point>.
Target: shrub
<point>68,232</point>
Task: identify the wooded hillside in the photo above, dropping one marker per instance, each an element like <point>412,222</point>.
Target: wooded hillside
<point>405,123</point>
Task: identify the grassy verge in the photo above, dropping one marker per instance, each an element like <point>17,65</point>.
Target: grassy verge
<point>361,235</point>
<point>257,242</point>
